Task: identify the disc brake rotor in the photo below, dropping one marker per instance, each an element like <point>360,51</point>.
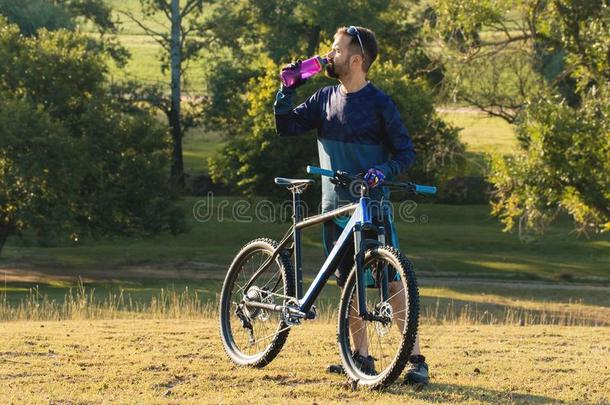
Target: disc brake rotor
<point>258,295</point>
<point>384,310</point>
<point>266,298</point>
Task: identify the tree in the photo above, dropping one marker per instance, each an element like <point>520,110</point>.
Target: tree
<point>565,167</point>
<point>32,15</point>
<point>35,14</point>
<point>559,101</point>
<point>73,162</point>
<point>499,56</point>
<point>190,29</point>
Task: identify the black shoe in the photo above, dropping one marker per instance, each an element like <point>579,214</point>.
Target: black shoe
<point>365,364</point>
<point>417,371</point>
<point>336,369</point>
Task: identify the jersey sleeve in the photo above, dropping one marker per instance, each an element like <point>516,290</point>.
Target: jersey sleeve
<point>295,121</point>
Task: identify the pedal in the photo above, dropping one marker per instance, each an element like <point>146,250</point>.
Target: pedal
<point>291,314</point>
<point>292,321</point>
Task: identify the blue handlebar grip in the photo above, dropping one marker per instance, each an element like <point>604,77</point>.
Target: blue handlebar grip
<point>320,171</point>
<point>425,189</point>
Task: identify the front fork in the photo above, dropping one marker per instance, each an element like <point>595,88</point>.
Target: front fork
<point>381,274</point>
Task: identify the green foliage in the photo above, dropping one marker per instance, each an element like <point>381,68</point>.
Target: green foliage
<point>33,15</point>
<point>249,162</point>
<point>224,105</point>
<point>293,29</point>
<point>560,101</point>
<point>566,167</point>
<point>72,160</point>
<point>30,15</point>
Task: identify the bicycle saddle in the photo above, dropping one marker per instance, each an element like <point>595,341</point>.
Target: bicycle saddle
<point>292,183</point>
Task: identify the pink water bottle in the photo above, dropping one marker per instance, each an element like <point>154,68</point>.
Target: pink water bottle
<point>306,69</point>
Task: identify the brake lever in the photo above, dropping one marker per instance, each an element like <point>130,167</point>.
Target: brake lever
<point>409,187</point>
<point>342,178</point>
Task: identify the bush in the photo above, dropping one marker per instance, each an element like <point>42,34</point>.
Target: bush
<point>249,162</point>
<point>564,168</point>
<point>72,161</point>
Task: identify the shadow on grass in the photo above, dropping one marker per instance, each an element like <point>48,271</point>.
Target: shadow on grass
<point>456,393</point>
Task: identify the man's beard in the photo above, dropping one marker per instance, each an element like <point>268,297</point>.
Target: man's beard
<point>331,70</point>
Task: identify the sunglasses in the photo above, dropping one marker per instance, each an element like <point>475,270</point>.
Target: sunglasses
<point>353,31</point>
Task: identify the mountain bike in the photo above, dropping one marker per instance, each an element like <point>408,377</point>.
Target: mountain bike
<point>262,296</point>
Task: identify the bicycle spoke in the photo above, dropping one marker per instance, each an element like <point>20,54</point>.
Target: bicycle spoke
<point>274,334</point>
<point>247,341</point>
<point>241,287</point>
<point>394,295</point>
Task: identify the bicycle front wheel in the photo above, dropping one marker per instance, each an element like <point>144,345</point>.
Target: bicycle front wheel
<point>389,338</point>
<point>253,336</point>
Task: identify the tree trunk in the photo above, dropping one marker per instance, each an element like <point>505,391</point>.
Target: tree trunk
<point>5,231</point>
<point>177,170</point>
<point>313,40</point>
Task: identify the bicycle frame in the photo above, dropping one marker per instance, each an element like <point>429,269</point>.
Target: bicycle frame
<point>360,220</point>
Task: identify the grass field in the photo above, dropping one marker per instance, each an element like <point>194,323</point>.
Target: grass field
<point>441,240</point>
<point>182,361</point>
<point>198,147</point>
<point>482,133</point>
<point>476,302</point>
<point>144,64</point>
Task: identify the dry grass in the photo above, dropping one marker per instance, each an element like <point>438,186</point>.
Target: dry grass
<point>182,361</point>
<point>449,308</point>
<point>82,303</point>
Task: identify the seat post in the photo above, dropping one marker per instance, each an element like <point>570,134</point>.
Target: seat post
<point>297,216</point>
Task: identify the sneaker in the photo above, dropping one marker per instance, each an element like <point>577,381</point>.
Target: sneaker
<point>417,371</point>
<point>336,369</point>
<point>365,364</point>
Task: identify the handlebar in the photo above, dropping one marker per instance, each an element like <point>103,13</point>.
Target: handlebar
<point>416,188</point>
<point>320,171</point>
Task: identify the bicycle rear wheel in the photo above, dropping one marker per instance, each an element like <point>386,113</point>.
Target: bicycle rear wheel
<point>390,338</point>
<point>254,336</point>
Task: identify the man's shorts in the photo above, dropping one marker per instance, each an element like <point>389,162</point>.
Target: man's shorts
<point>332,230</point>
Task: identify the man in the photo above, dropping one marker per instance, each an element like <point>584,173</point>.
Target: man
<point>359,130</point>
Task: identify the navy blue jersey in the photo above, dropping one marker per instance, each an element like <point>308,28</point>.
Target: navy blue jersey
<point>356,132</point>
